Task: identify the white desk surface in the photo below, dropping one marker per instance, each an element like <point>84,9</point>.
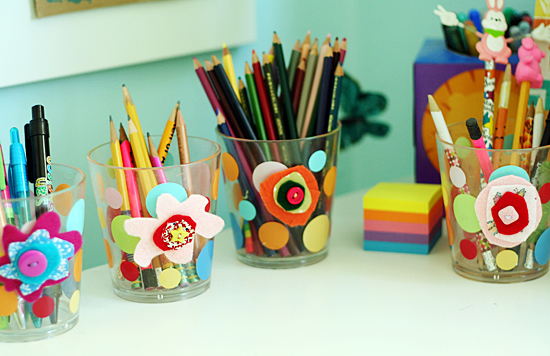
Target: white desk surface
<point>355,302</point>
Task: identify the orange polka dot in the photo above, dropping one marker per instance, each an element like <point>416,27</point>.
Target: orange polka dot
<point>8,302</point>
<point>64,201</point>
<point>330,181</point>
<point>78,266</point>
<point>230,168</point>
<point>237,195</point>
<point>108,253</point>
<point>215,184</point>
<point>273,235</point>
<point>101,217</point>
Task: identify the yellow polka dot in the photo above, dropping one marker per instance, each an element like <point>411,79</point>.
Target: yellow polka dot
<point>78,266</point>
<point>316,233</point>
<point>8,302</point>
<point>100,186</point>
<point>101,217</point>
<point>445,197</point>
<point>230,168</point>
<point>64,201</point>
<point>215,184</point>
<point>330,181</point>
<point>75,301</point>
<point>108,253</point>
<point>273,235</point>
<point>507,259</point>
<point>170,278</point>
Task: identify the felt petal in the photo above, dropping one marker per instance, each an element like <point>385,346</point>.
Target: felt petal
<point>182,256</point>
<point>208,225</point>
<point>65,248</point>
<point>145,251</point>
<point>48,221</point>
<point>141,227</point>
<point>166,205</point>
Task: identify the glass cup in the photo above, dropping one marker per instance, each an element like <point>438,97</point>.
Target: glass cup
<point>279,197</point>
<point>41,263</point>
<point>497,211</point>
<point>163,280</point>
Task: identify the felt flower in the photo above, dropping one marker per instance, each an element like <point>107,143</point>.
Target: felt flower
<point>174,230</point>
<point>291,195</point>
<point>508,210</point>
<point>37,256</point>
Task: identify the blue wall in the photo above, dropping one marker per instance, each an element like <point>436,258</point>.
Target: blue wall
<point>383,40</point>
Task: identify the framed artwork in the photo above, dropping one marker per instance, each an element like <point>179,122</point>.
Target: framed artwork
<point>54,7</point>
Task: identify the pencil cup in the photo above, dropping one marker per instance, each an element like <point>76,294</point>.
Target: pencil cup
<point>280,198</point>
<point>41,259</point>
<point>159,244</point>
<point>497,205</point>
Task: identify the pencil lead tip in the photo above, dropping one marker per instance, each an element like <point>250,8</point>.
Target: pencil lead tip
<point>110,118</point>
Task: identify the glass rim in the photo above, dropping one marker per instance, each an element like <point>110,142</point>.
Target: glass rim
<point>216,153</point>
<point>509,150</point>
<point>80,183</point>
<point>310,138</point>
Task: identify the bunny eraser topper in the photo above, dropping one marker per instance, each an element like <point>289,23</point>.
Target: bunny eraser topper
<point>528,68</point>
<point>493,45</point>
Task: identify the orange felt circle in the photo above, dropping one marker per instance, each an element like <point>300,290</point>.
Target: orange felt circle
<point>100,186</point>
<point>237,195</point>
<point>8,302</point>
<point>108,253</point>
<point>273,235</point>
<point>215,184</point>
<point>64,201</point>
<point>230,168</point>
<point>330,181</point>
<point>78,266</point>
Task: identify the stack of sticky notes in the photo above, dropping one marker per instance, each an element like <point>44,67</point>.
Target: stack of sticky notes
<point>402,217</point>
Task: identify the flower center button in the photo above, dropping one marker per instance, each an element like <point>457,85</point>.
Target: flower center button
<point>32,263</point>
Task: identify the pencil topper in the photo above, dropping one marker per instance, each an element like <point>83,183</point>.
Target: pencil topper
<point>493,44</point>
<point>448,18</point>
<point>528,68</point>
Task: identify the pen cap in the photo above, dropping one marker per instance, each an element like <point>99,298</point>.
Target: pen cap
<point>38,125</point>
<point>473,129</point>
<point>18,163</point>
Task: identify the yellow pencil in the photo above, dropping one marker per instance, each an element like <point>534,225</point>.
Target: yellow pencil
<point>141,158</point>
<point>230,71</point>
<point>167,135</point>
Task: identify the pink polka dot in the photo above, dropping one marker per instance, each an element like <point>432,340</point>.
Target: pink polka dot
<point>43,307</point>
<point>468,249</point>
<point>129,270</point>
<point>113,197</point>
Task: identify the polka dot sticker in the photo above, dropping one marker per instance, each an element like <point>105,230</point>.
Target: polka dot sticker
<point>64,201</point>
<point>101,217</point>
<point>100,186</point>
<point>465,214</point>
<point>468,249</point>
<point>169,278</point>
<point>542,248</point>
<point>237,232</point>
<point>125,242</point>
<point>509,170</point>
<point>458,178</point>
<point>247,210</point>
<point>74,302</point>
<point>129,270</point>
<point>544,193</point>
<point>176,190</point>
<point>317,161</point>
<point>264,170</point>
<point>75,220</point>
<point>68,287</point>
<point>78,266</point>
<point>215,184</point>
<point>113,197</point>
<point>507,259</point>
<point>108,253</point>
<point>8,302</point>
<point>230,168</point>
<point>316,233</point>
<point>111,214</point>
<point>273,235</point>
<point>204,261</point>
<point>445,195</point>
<point>111,171</point>
<point>43,307</point>
<point>169,160</point>
<point>464,142</point>
<point>237,195</point>
<point>330,181</point>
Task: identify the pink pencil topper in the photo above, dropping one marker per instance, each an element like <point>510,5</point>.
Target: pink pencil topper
<point>528,68</point>
<point>493,44</point>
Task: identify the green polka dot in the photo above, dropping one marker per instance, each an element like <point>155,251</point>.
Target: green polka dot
<point>465,214</point>
<point>465,142</point>
<point>125,242</point>
<point>110,171</point>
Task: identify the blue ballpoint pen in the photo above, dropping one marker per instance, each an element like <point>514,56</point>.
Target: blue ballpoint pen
<point>18,174</point>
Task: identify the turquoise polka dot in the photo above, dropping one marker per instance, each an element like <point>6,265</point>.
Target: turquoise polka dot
<point>507,171</point>
<point>237,232</point>
<point>176,190</point>
<point>169,160</point>
<point>247,210</point>
<point>75,220</point>
<point>542,248</point>
<point>204,261</point>
<point>317,161</point>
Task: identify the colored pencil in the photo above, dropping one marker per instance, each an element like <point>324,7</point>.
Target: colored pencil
<point>119,174</point>
<point>155,160</point>
<point>324,94</point>
<point>298,85</point>
<point>126,155</point>
<point>335,101</point>
<point>245,103</point>
<point>520,119</point>
<point>263,98</point>
<point>207,86</point>
<point>256,110</point>
<point>335,54</point>
<point>293,63</point>
<point>272,93</point>
<point>313,93</point>
<point>343,50</point>
<point>311,64</point>
<point>230,70</point>
<point>289,117</point>
<point>166,138</point>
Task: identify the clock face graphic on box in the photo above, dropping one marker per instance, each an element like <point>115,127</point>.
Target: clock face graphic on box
<point>460,98</point>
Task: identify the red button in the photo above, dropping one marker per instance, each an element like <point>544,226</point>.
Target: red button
<point>295,195</point>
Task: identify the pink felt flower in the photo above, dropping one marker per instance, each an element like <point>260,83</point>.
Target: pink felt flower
<point>174,230</point>
<point>508,210</point>
<point>37,256</point>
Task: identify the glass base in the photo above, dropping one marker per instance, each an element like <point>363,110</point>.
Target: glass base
<point>162,296</point>
<point>503,277</point>
<point>282,262</point>
<point>33,334</point>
